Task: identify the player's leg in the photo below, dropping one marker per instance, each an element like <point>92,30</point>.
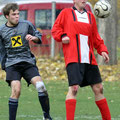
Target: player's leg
<point>101,101</point>
<point>71,102</point>
<point>42,95</point>
<point>13,100</point>
<point>31,75</point>
<point>98,91</point>
<point>94,77</point>
<point>74,79</point>
<point>13,78</point>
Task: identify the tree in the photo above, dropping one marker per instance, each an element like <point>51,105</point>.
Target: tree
<point>108,30</point>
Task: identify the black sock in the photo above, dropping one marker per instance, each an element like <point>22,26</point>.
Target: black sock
<point>13,104</point>
<point>44,101</point>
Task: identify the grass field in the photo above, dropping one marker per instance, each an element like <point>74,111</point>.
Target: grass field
<point>29,107</point>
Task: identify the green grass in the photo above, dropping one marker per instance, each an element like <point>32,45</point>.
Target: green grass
<point>29,107</point>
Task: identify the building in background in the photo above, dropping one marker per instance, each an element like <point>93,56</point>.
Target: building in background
<point>39,12</point>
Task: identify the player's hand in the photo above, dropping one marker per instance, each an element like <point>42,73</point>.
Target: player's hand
<point>30,37</point>
<point>105,57</point>
<point>65,40</point>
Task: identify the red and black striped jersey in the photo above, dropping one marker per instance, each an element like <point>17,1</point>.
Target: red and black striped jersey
<point>82,30</point>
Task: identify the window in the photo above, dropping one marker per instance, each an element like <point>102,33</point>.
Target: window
<point>23,15</point>
<point>43,18</point>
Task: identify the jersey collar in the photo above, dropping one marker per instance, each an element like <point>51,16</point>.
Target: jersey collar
<point>84,10</point>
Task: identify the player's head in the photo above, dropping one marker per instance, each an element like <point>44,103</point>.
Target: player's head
<point>11,13</point>
<point>80,3</point>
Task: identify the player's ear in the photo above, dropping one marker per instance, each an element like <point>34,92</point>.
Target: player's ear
<point>6,16</point>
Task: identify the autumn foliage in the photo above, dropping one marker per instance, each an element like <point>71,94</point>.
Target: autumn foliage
<point>54,69</point>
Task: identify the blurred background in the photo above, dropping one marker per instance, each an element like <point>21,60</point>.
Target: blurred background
<point>50,61</point>
<point>42,13</point>
<point>41,16</point>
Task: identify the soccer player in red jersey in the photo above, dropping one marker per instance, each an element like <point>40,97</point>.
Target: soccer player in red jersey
<point>77,30</point>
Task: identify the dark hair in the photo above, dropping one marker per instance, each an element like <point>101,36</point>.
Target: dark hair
<point>8,7</point>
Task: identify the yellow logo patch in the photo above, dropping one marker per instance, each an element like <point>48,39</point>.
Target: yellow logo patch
<point>16,41</point>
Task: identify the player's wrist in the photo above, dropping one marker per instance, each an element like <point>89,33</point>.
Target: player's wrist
<point>35,39</point>
<point>63,35</point>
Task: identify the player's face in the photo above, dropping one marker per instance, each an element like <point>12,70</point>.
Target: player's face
<point>13,17</point>
<point>80,4</point>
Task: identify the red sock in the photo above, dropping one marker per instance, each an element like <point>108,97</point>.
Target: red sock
<point>104,109</point>
<point>70,109</point>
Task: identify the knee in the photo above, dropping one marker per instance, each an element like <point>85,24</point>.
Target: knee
<point>72,92</point>
<point>98,89</point>
<point>74,89</point>
<point>15,93</point>
<point>15,89</point>
<point>40,86</point>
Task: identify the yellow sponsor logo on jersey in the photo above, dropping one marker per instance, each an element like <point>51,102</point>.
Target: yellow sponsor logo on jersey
<point>16,41</point>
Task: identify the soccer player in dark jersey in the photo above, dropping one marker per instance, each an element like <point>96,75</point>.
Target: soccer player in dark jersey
<point>77,30</point>
<point>18,61</point>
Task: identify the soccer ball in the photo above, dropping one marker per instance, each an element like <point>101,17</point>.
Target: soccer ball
<point>102,9</point>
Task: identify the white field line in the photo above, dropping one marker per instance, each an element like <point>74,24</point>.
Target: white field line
<point>81,117</point>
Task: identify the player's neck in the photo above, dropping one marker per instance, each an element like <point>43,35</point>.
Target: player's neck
<point>9,24</point>
<point>79,8</point>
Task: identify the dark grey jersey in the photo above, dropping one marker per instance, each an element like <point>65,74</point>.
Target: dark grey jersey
<point>14,48</point>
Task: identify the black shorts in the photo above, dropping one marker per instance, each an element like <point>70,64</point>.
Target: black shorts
<point>19,70</point>
<point>83,74</point>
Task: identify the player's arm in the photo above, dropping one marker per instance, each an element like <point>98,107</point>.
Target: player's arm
<point>58,29</point>
<point>1,46</point>
<point>105,57</point>
<point>33,34</point>
<point>32,38</point>
<point>0,49</point>
<point>2,53</point>
<point>99,43</point>
<point>97,40</point>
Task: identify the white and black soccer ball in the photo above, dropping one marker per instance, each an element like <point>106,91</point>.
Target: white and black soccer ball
<point>102,9</point>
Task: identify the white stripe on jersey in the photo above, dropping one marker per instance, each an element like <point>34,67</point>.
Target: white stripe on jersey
<point>84,49</point>
<point>82,17</point>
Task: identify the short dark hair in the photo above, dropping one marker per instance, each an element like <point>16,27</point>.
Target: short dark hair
<point>8,7</point>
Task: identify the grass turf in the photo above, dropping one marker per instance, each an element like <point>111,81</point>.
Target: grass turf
<point>29,107</point>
